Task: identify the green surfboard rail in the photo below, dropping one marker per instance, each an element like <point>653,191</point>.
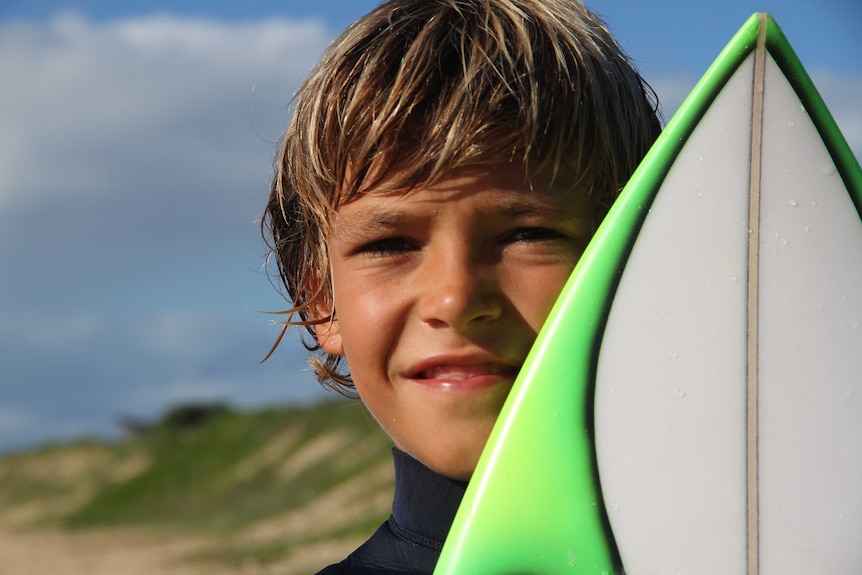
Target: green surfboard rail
<point>534,504</point>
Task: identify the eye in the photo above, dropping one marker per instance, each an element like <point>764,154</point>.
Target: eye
<point>535,234</point>
<point>386,247</point>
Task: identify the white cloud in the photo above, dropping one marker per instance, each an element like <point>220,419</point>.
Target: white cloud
<point>89,104</point>
<point>135,148</point>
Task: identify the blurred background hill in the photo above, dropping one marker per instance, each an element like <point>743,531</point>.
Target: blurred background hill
<point>204,489</point>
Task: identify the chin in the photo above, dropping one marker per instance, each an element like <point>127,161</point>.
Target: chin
<point>461,475</point>
<point>459,467</point>
<point>452,450</point>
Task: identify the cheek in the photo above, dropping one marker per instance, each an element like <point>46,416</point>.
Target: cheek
<point>537,295</point>
<point>369,320</point>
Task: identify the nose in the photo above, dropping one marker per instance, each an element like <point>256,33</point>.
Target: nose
<point>459,292</point>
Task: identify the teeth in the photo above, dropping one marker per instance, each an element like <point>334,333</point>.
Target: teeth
<point>459,372</point>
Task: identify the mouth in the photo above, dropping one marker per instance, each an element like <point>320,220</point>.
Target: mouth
<point>459,375</point>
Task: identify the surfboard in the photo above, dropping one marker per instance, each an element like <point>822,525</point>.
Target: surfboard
<point>693,403</point>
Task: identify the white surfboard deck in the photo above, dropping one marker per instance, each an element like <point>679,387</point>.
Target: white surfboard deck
<point>728,408</point>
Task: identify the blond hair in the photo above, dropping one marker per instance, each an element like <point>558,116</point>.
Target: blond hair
<point>418,88</point>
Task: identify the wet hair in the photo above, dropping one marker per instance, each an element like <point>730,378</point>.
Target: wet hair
<point>418,88</point>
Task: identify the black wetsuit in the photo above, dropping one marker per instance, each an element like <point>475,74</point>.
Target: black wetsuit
<point>411,539</point>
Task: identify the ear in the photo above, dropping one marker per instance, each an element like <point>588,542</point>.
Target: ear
<point>329,337</point>
<point>327,333</point>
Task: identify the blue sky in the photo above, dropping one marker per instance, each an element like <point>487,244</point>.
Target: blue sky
<point>135,148</point>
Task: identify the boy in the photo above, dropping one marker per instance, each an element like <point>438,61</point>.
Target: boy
<point>444,168</point>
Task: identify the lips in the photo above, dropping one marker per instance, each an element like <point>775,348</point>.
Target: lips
<point>457,372</point>
<point>453,374</point>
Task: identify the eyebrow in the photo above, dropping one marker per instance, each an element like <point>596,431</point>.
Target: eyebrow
<point>380,219</point>
<point>529,205</point>
<point>374,219</point>
<point>368,222</point>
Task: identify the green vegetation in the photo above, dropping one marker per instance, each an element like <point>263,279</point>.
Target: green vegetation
<point>261,484</point>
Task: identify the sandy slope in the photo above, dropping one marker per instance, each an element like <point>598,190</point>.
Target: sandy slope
<point>57,553</point>
<point>135,553</point>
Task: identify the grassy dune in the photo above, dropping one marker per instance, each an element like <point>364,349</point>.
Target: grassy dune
<point>257,490</point>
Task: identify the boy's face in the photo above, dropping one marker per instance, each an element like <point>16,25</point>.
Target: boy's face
<point>439,294</point>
